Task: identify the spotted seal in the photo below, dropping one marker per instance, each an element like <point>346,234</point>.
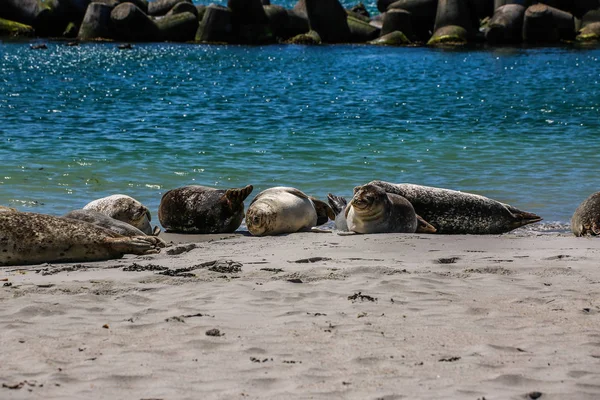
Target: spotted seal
<point>339,204</point>
<point>279,210</point>
<point>30,238</point>
<point>454,212</point>
<point>124,208</point>
<point>103,220</point>
<point>586,219</point>
<point>201,209</point>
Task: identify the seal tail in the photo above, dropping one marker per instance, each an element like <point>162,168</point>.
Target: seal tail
<point>424,226</point>
<point>239,195</point>
<point>337,203</point>
<point>324,211</point>
<point>523,218</point>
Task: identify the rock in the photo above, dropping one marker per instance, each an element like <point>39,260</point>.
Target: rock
<point>182,7</point>
<point>452,12</point>
<point>383,5</point>
<point>179,27</point>
<point>361,31</point>
<point>132,24</point>
<point>506,25</point>
<point>249,21</point>
<point>285,23</point>
<point>71,30</point>
<point>278,20</point>
<point>360,9</point>
<point>524,3</point>
<point>398,20</point>
<point>216,26</point>
<point>395,38</point>
<point>581,7</point>
<point>423,15</point>
<point>449,35</point>
<point>15,29</point>
<point>162,7</point>
<point>328,18</point>
<point>298,22</point>
<point>545,24</point>
<point>309,38</point>
<point>43,16</point>
<point>590,27</point>
<point>96,23</point>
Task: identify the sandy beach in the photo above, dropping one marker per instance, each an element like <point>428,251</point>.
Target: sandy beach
<point>310,316</point>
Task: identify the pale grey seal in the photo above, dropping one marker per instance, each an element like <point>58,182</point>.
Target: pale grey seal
<point>126,209</point>
<point>103,220</point>
<point>201,209</point>
<point>586,219</point>
<point>339,204</point>
<point>453,212</point>
<point>279,210</point>
<point>30,238</point>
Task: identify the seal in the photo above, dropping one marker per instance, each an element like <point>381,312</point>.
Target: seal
<point>454,212</point>
<point>586,219</point>
<point>372,210</point>
<point>339,204</point>
<point>126,209</point>
<point>97,218</point>
<point>30,238</point>
<point>7,209</point>
<point>201,209</point>
<point>279,210</point>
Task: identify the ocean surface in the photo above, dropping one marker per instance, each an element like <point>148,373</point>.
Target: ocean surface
<point>78,123</point>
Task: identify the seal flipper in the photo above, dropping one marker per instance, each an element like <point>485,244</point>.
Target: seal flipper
<point>340,208</point>
<point>324,211</point>
<point>338,204</point>
<point>238,195</point>
<point>424,226</point>
<point>522,218</point>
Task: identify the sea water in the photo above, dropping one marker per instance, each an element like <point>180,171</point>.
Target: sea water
<point>78,123</point>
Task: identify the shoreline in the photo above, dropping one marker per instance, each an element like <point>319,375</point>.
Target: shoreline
<point>310,315</point>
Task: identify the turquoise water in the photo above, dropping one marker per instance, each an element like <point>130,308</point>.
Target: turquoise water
<point>78,123</point>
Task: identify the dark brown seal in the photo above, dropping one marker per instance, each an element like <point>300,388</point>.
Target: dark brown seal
<point>201,209</point>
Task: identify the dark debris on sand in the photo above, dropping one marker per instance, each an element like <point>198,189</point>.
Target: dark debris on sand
<point>361,297</point>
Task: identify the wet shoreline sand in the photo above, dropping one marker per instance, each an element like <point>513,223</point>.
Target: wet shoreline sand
<point>310,315</point>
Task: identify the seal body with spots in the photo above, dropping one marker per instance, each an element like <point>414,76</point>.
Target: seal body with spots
<point>201,209</point>
<point>454,212</point>
<point>586,219</point>
<point>103,220</point>
<point>124,208</point>
<point>280,210</point>
<point>372,210</point>
<point>30,238</point>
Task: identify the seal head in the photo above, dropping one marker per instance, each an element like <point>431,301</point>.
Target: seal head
<point>280,210</point>
<point>124,208</point>
<point>372,210</point>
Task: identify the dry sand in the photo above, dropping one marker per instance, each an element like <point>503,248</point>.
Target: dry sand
<point>310,316</point>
